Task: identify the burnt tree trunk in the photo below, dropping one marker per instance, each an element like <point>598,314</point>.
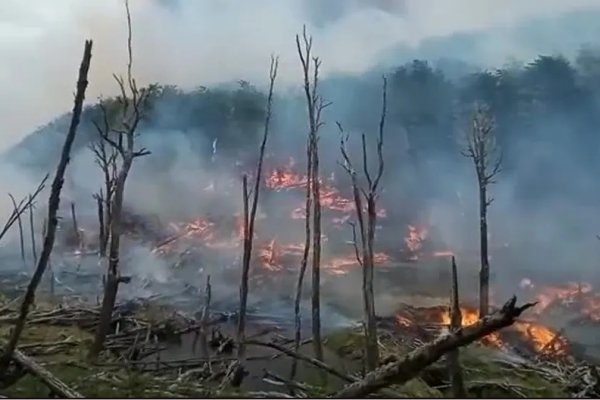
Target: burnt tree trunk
<point>113,277</point>
<point>303,261</point>
<point>32,230</point>
<point>372,347</point>
<point>101,227</point>
<point>484,272</point>
<point>245,272</point>
<point>316,258</point>
<point>53,206</point>
<point>75,227</point>
<point>453,357</point>
<point>20,224</point>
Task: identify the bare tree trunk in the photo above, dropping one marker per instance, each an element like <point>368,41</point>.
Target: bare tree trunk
<point>204,321</point>
<point>303,262</point>
<point>484,272</point>
<point>241,337</point>
<point>32,230</point>
<point>367,234</point>
<point>316,258</point>
<point>453,357</point>
<point>372,346</point>
<point>250,214</point>
<point>412,364</point>
<point>20,223</point>
<point>75,227</point>
<point>101,228</point>
<point>53,206</point>
<point>113,278</point>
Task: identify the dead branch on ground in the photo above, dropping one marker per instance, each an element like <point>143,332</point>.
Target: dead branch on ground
<point>56,386</point>
<point>399,372</point>
<point>53,206</point>
<point>367,225</point>
<point>250,212</point>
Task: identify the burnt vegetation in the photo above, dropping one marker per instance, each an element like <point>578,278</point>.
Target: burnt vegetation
<point>119,327</point>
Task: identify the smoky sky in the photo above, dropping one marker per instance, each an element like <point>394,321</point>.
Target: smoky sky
<point>193,43</point>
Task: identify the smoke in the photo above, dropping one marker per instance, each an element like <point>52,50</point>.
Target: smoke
<point>192,43</point>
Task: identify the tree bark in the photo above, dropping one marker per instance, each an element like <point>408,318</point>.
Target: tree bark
<point>75,227</point>
<point>241,336</point>
<point>316,258</point>
<point>412,364</point>
<point>453,357</point>
<point>32,230</point>
<point>113,278</point>
<point>303,262</point>
<point>53,206</point>
<point>484,272</point>
<point>101,227</point>
<point>20,223</point>
<point>372,347</point>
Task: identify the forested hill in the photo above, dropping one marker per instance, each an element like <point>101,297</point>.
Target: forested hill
<point>547,113</point>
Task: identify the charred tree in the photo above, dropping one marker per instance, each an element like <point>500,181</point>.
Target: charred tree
<point>303,261</point>
<point>367,225</point>
<point>107,162</point>
<point>481,147</point>
<point>250,214</point>
<point>20,224</point>
<point>32,230</point>
<point>133,101</point>
<point>53,206</point>
<point>315,106</point>
<point>453,357</point>
<point>102,238</point>
<point>76,235</point>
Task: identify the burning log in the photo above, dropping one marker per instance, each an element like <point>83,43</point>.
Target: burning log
<point>403,370</point>
<point>53,205</point>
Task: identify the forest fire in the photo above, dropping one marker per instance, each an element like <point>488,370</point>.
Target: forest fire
<point>535,336</point>
<point>579,296</point>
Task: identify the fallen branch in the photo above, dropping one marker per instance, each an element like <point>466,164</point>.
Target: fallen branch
<point>57,386</point>
<point>413,363</point>
<point>310,360</point>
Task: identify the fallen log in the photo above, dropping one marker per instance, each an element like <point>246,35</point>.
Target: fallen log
<point>57,386</point>
<point>412,364</point>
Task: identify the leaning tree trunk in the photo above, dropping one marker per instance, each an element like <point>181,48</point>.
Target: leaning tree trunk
<point>113,277</point>
<point>484,272</point>
<point>53,206</point>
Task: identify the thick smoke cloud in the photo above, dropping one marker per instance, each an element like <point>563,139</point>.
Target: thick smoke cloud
<point>193,43</point>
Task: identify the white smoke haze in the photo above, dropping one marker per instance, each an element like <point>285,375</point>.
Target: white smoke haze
<point>192,43</point>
